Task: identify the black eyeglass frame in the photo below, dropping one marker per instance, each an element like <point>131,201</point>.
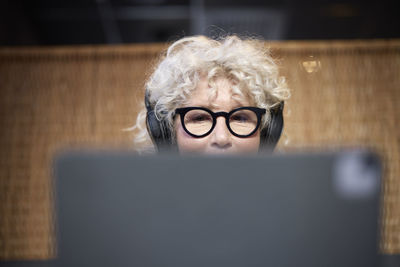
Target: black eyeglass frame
<point>258,111</point>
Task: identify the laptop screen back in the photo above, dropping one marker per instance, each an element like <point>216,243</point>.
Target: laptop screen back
<point>120,209</point>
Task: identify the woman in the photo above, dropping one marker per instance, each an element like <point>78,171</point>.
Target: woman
<point>213,96</point>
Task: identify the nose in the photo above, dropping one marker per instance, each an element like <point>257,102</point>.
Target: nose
<point>221,137</point>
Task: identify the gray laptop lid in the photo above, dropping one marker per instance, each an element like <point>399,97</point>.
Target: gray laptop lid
<point>120,209</point>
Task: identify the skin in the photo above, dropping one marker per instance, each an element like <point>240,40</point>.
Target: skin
<point>220,140</point>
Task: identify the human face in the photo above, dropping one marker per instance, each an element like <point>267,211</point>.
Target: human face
<point>220,140</point>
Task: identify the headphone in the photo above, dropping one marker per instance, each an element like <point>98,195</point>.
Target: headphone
<point>162,137</point>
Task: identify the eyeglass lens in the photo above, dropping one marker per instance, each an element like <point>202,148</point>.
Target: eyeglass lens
<point>200,122</point>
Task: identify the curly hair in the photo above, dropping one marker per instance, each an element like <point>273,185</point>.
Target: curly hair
<point>246,63</point>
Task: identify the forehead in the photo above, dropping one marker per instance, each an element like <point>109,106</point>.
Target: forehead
<point>219,95</point>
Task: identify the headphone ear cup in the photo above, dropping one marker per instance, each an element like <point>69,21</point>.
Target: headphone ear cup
<point>158,130</point>
<point>270,135</point>
<point>153,126</point>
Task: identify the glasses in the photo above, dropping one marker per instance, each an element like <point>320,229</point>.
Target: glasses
<point>200,122</point>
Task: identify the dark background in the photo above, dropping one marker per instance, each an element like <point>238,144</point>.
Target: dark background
<point>61,22</point>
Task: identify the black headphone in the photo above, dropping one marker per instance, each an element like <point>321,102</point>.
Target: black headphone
<point>161,134</point>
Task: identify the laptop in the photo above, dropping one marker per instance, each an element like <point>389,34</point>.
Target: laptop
<point>302,209</point>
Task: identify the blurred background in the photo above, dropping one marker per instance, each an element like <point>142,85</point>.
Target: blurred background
<point>58,22</point>
<point>66,82</point>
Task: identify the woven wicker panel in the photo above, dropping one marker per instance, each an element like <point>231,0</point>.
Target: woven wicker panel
<point>50,100</point>
<point>344,94</point>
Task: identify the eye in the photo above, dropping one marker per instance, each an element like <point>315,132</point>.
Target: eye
<point>240,118</point>
<point>197,116</point>
<point>243,117</point>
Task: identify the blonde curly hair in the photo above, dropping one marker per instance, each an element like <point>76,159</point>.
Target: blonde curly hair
<point>246,63</point>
